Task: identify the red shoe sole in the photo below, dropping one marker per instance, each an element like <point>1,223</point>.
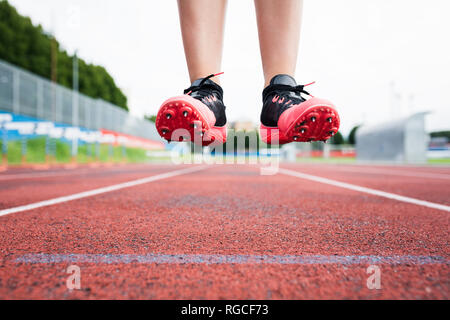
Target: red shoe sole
<point>184,118</point>
<point>313,120</point>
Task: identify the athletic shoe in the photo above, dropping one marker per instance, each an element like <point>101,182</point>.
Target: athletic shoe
<point>198,115</point>
<point>286,116</point>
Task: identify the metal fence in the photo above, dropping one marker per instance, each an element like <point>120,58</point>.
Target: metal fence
<point>24,93</point>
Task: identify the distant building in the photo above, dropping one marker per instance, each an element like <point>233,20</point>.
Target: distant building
<point>243,126</point>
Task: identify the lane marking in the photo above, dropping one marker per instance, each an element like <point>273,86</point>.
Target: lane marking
<point>98,191</point>
<point>365,190</point>
<point>443,176</point>
<point>43,258</point>
<point>18,176</point>
<point>60,173</point>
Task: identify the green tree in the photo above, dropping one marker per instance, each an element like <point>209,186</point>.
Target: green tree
<point>440,134</point>
<point>352,135</point>
<point>337,139</point>
<point>29,47</point>
<point>151,118</point>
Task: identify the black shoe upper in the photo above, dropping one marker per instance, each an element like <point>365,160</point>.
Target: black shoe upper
<point>281,94</point>
<point>211,94</point>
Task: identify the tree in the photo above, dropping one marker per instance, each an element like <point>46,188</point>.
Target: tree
<point>352,135</point>
<point>440,134</point>
<point>29,47</point>
<point>337,139</point>
<point>150,118</point>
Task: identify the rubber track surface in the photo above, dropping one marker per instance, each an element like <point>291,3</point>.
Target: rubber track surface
<point>233,227</point>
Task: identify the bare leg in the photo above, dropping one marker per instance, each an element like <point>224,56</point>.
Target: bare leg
<point>202,24</point>
<point>279,25</point>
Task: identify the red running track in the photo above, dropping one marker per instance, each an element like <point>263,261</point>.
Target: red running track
<point>225,232</point>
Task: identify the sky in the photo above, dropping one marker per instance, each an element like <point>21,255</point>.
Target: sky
<point>376,60</point>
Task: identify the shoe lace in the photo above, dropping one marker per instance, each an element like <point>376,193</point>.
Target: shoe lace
<point>282,89</point>
<point>203,88</point>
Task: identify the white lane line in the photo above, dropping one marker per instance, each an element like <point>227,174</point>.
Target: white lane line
<point>443,176</point>
<point>94,192</point>
<point>149,258</point>
<point>45,174</point>
<point>38,175</point>
<point>365,190</point>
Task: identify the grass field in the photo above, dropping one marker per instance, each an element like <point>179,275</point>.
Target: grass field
<point>439,161</point>
<point>327,160</point>
<point>36,152</point>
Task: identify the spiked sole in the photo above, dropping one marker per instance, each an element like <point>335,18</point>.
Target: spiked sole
<point>313,120</point>
<point>184,118</point>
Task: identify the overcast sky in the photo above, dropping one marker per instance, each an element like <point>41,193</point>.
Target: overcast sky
<point>375,59</point>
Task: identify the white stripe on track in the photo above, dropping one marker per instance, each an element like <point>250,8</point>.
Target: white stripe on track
<point>98,191</point>
<point>427,175</point>
<point>158,258</point>
<point>59,173</point>
<point>365,190</point>
<point>18,176</point>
